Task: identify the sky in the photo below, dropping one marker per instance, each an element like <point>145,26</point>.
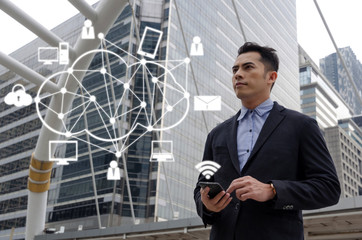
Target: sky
<point>343,18</point>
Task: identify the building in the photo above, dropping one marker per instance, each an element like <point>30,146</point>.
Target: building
<point>319,99</point>
<point>151,191</point>
<point>332,68</point>
<point>344,147</point>
<point>322,102</point>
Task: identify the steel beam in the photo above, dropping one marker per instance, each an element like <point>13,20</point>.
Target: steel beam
<point>85,9</point>
<point>27,73</point>
<point>108,12</point>
<point>30,23</point>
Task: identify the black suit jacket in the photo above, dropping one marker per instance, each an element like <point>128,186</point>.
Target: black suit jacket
<point>291,153</point>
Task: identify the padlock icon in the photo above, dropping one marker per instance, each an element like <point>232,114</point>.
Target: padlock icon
<point>19,97</point>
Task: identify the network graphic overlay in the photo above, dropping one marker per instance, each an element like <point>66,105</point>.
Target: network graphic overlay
<point>120,94</point>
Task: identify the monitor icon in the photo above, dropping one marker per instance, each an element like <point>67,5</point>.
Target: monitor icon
<point>64,151</point>
<point>161,151</point>
<point>48,55</point>
<point>150,41</point>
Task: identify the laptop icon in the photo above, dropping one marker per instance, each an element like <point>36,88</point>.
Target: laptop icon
<point>161,151</point>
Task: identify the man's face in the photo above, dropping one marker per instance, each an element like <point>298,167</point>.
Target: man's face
<point>250,81</point>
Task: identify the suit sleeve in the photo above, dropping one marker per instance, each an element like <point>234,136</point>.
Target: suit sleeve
<point>318,185</point>
<point>206,216</point>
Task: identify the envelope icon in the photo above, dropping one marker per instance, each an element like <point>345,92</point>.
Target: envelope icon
<point>207,103</point>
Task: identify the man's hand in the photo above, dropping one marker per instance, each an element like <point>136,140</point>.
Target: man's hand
<point>216,204</point>
<point>249,188</point>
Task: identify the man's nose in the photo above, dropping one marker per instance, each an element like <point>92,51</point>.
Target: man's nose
<point>239,74</point>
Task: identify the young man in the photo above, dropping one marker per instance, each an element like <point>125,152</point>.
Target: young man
<point>274,161</point>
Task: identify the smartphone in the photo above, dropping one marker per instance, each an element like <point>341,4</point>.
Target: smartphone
<point>215,188</point>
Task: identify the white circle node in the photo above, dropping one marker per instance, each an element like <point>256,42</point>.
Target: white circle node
<point>112,120</point>
<point>70,70</point>
<point>207,176</point>
<point>187,60</point>
<point>103,71</point>
<point>100,35</point>
<point>143,61</point>
<point>92,98</point>
<point>154,79</point>
<point>143,104</point>
<point>126,85</point>
<point>68,134</point>
<point>149,128</point>
<point>187,95</point>
<point>169,108</point>
<point>63,90</point>
<point>60,115</point>
<point>113,164</point>
<point>37,100</point>
<point>118,154</point>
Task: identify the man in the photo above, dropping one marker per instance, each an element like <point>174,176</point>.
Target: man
<point>274,161</point>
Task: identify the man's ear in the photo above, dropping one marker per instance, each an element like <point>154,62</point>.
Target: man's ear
<point>272,77</point>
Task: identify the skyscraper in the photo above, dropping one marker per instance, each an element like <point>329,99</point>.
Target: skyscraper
<point>322,102</point>
<point>160,191</point>
<point>332,68</point>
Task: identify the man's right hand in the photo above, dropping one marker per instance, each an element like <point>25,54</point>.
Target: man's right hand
<point>216,204</point>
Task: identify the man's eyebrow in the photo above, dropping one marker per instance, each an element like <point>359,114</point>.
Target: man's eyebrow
<point>247,63</point>
<point>243,65</point>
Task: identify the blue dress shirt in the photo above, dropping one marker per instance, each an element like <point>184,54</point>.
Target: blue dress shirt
<point>250,123</point>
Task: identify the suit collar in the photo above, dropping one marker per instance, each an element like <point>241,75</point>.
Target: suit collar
<point>275,117</point>
<point>231,142</point>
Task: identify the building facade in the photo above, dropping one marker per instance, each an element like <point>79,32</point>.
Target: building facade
<point>332,68</point>
<point>322,102</point>
<point>148,191</point>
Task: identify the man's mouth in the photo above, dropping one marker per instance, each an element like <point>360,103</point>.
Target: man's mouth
<point>240,83</point>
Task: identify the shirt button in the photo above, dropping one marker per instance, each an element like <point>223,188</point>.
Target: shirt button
<point>250,130</point>
<point>247,150</point>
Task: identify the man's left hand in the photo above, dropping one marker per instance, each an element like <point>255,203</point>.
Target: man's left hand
<point>250,188</point>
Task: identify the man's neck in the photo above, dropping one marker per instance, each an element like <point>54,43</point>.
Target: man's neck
<point>252,104</point>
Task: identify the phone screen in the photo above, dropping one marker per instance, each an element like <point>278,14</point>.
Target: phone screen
<point>215,188</point>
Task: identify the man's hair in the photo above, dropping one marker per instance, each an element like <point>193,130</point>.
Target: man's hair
<point>268,55</point>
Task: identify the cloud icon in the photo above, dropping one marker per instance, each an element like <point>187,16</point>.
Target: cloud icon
<point>19,97</point>
<point>140,97</point>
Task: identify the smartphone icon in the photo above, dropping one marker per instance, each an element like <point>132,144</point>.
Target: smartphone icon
<point>150,41</point>
<point>63,53</point>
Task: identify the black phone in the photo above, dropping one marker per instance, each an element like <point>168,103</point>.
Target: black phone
<point>215,188</point>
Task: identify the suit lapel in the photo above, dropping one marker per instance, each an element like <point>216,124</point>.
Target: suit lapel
<point>274,119</point>
<point>231,143</point>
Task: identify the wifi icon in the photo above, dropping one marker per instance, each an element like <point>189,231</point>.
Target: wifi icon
<point>207,168</point>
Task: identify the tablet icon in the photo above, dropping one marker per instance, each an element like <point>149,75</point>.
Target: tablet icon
<point>150,41</point>
<point>207,103</point>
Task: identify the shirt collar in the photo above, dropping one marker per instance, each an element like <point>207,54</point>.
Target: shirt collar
<point>261,109</point>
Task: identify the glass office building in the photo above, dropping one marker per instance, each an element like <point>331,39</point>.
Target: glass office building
<point>160,191</point>
<point>322,102</point>
<point>318,98</point>
<point>332,68</point>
